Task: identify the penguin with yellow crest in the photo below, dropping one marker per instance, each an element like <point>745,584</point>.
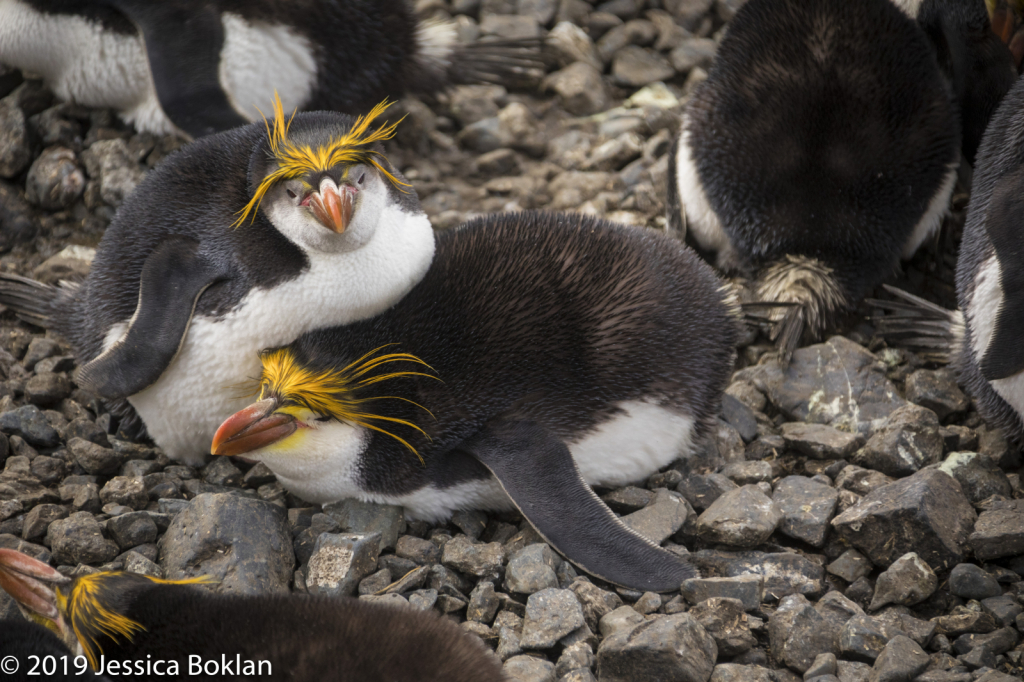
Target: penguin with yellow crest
<point>541,354</point>
<point>238,242</point>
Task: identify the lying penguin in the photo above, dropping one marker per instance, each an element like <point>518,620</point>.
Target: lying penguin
<point>130,624</point>
<point>240,241</point>
<point>541,353</point>
<point>982,340</point>
<point>199,67</point>
<point>821,149</point>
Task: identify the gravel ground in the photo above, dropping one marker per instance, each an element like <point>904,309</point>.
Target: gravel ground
<point>853,517</point>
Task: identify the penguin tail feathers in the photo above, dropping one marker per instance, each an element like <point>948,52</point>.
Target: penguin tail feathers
<point>911,322</point>
<point>505,62</point>
<point>30,300</point>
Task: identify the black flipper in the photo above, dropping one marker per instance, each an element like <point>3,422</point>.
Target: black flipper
<point>173,278</point>
<point>183,44</point>
<point>1005,354</point>
<point>537,471</point>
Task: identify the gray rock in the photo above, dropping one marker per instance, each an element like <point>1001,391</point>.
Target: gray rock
<point>15,218</point>
<point>39,348</point>
<point>926,513</point>
<point>863,638</point>
<point>747,589</point>
<point>979,477</point>
<point>354,516</point>
<point>132,529</point>
<point>701,490</point>
<point>1004,609</point>
<point>485,135</point>
<point>784,573</point>
<point>137,563</point>
<point>112,163</point>
<point>860,480</point>
<point>672,647</point>
<point>49,470</point>
<point>243,543</point>
<point>824,664</point>
<point>997,642</point>
<point>93,458</point>
<point>662,518</point>
<point>937,390</point>
<point>417,550</point>
<point>693,53</point>
<point>628,500</point>
<point>622,618</point>
<point>971,582</point>
<point>15,150</point>
<point>423,600</point>
<point>999,531</point>
<point>340,561</point>
<point>747,473</point>
<point>908,441</point>
<point>596,602</point>
<point>738,415</point>
<point>580,89</point>
<point>744,517</point>
<point>575,657</point>
<point>806,506</point>
<point>853,671</point>
<point>483,603</point>
<point>820,441</point>
<point>529,669</point>
<point>532,569</point>
<point>648,603</point>
<point>480,560</point>
<point>734,672</point>
<point>569,43</point>
<point>55,180</point>
<point>798,633</point>
<point>635,32</point>
<point>31,424</point>
<point>130,492</point>
<point>900,661</point>
<point>909,580</point>
<point>39,518</point>
<point>615,153</point>
<point>550,615</point>
<point>79,539</point>
<point>726,622</point>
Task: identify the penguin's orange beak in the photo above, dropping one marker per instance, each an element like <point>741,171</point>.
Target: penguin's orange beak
<point>25,579</point>
<point>331,206</point>
<point>255,427</point>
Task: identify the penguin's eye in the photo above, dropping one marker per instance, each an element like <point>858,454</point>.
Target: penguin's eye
<point>362,176</point>
<point>291,194</point>
<point>323,419</point>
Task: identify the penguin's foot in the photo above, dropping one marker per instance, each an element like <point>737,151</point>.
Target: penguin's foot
<point>539,475</point>
<point>812,286</point>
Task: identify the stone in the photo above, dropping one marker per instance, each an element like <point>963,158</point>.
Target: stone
<point>243,543</point>
<point>819,441</point>
<point>569,43</point>
<point>39,518</point>
<point>746,589</point>
<point>93,458</point>
<point>744,517</point>
<point>962,620</point>
<point>672,647</point>
<point>355,516</point>
<point>580,89</point>
<point>798,633</point>
<point>926,513</point>
<point>693,53</point>
<point>532,569</point>
<point>1004,609</point>
<point>937,390</point>
<point>483,603</point>
<point>596,602</point>
<point>860,480</point>
<point>635,67</point>
<point>130,492</point>
<point>550,615</point>
<point>783,573</point>
<point>824,664</point>
<point>999,531</point>
<point>30,423</point>
<point>39,348</point>
<point>900,661</point>
<point>726,622</point>
<point>863,638</point>
<point>49,470</point>
<point>622,618</point>
<point>55,180</point>
<point>112,164</point>
<point>418,550</point>
<point>662,518</point>
<point>628,500</point>
<point>853,671</point>
<point>806,507</point>
<point>979,477</point>
<point>86,429</point>
<point>529,669</point>
<point>998,641</point>
<point>747,473</point>
<point>132,529</point>
<point>908,441</point>
<point>78,539</point>
<point>16,223</point>
<point>971,582</point>
<point>15,147</point>
<point>574,657</point>
<point>908,581</point>
<point>701,490</point>
<point>479,560</point>
<point>340,561</point>
<point>615,153</point>
<point>735,672</point>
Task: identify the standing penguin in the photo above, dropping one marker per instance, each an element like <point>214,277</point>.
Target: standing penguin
<point>821,149</point>
<point>982,340</point>
<point>239,241</point>
<point>200,67</point>
<point>151,629</point>
<point>541,353</point>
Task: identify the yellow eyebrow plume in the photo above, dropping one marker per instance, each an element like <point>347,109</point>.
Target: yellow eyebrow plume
<point>294,160</point>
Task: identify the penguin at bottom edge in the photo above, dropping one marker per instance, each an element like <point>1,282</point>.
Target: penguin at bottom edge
<point>541,354</point>
<point>148,628</point>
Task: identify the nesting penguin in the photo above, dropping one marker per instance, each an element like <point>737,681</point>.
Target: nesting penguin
<point>147,628</point>
<point>542,353</point>
<point>239,241</point>
<point>199,67</point>
<point>982,340</point>
<point>821,149</point>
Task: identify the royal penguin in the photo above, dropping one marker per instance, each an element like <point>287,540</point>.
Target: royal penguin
<point>821,149</point>
<point>541,354</point>
<point>126,624</point>
<point>982,340</point>
<point>240,241</point>
<point>198,67</point>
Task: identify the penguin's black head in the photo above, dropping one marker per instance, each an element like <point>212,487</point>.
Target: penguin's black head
<point>323,180</point>
<point>84,611</point>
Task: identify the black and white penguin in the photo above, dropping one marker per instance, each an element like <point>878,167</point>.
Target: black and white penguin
<point>147,628</point>
<point>199,67</point>
<point>237,242</point>
<point>821,149</point>
<point>541,353</point>
<point>982,340</point>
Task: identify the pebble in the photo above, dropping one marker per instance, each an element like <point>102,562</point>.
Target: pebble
<point>909,580</point>
<point>15,148</point>
<point>798,633</point>
<point>78,539</point>
<point>132,529</point>
<point>748,590</point>
<point>908,441</point>
<point>580,89</point>
<point>355,516</point>
<point>744,517</point>
<point>55,180</point>
<point>806,507</point>
<point>672,647</point>
<point>479,560</point>
<point>999,531</point>
<point>937,390</point>
<point>532,569</point>
<point>29,423</point>
<point>979,477</point>
<point>551,614</point>
<point>971,582</point>
<point>529,669</point>
<point>725,620</point>
<point>901,659</point>
<point>661,518</point>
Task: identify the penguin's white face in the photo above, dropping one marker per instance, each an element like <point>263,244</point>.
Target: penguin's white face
<point>335,215</point>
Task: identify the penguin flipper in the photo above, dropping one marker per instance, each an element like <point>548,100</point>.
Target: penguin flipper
<point>537,471</point>
<point>173,278</point>
<point>183,48</point>
<point>1005,354</point>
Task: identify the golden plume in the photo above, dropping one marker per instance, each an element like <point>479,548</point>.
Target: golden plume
<point>329,392</point>
<point>294,160</point>
<point>89,616</point>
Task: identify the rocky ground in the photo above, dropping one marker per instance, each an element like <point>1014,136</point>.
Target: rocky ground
<point>853,517</point>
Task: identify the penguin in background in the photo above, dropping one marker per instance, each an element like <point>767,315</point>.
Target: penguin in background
<point>126,623</point>
<point>981,340</point>
<point>822,148</point>
<point>199,67</point>
<point>237,242</point>
<point>541,354</point>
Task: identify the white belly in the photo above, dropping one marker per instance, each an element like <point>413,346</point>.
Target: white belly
<point>987,300</point>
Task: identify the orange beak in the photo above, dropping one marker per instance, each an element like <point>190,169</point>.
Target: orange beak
<point>255,427</point>
<point>25,579</point>
<point>332,206</point>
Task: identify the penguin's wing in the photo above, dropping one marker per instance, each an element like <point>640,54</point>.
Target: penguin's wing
<point>183,44</point>
<point>1005,354</point>
<point>172,280</point>
<point>537,471</point>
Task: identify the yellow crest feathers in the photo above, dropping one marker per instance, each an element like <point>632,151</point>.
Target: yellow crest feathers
<point>330,392</point>
<point>294,160</point>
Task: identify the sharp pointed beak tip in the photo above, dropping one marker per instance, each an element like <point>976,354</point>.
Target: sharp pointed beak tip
<point>254,427</point>
<point>333,208</point>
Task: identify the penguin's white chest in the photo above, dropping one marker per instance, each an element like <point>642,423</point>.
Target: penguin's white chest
<point>982,315</point>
